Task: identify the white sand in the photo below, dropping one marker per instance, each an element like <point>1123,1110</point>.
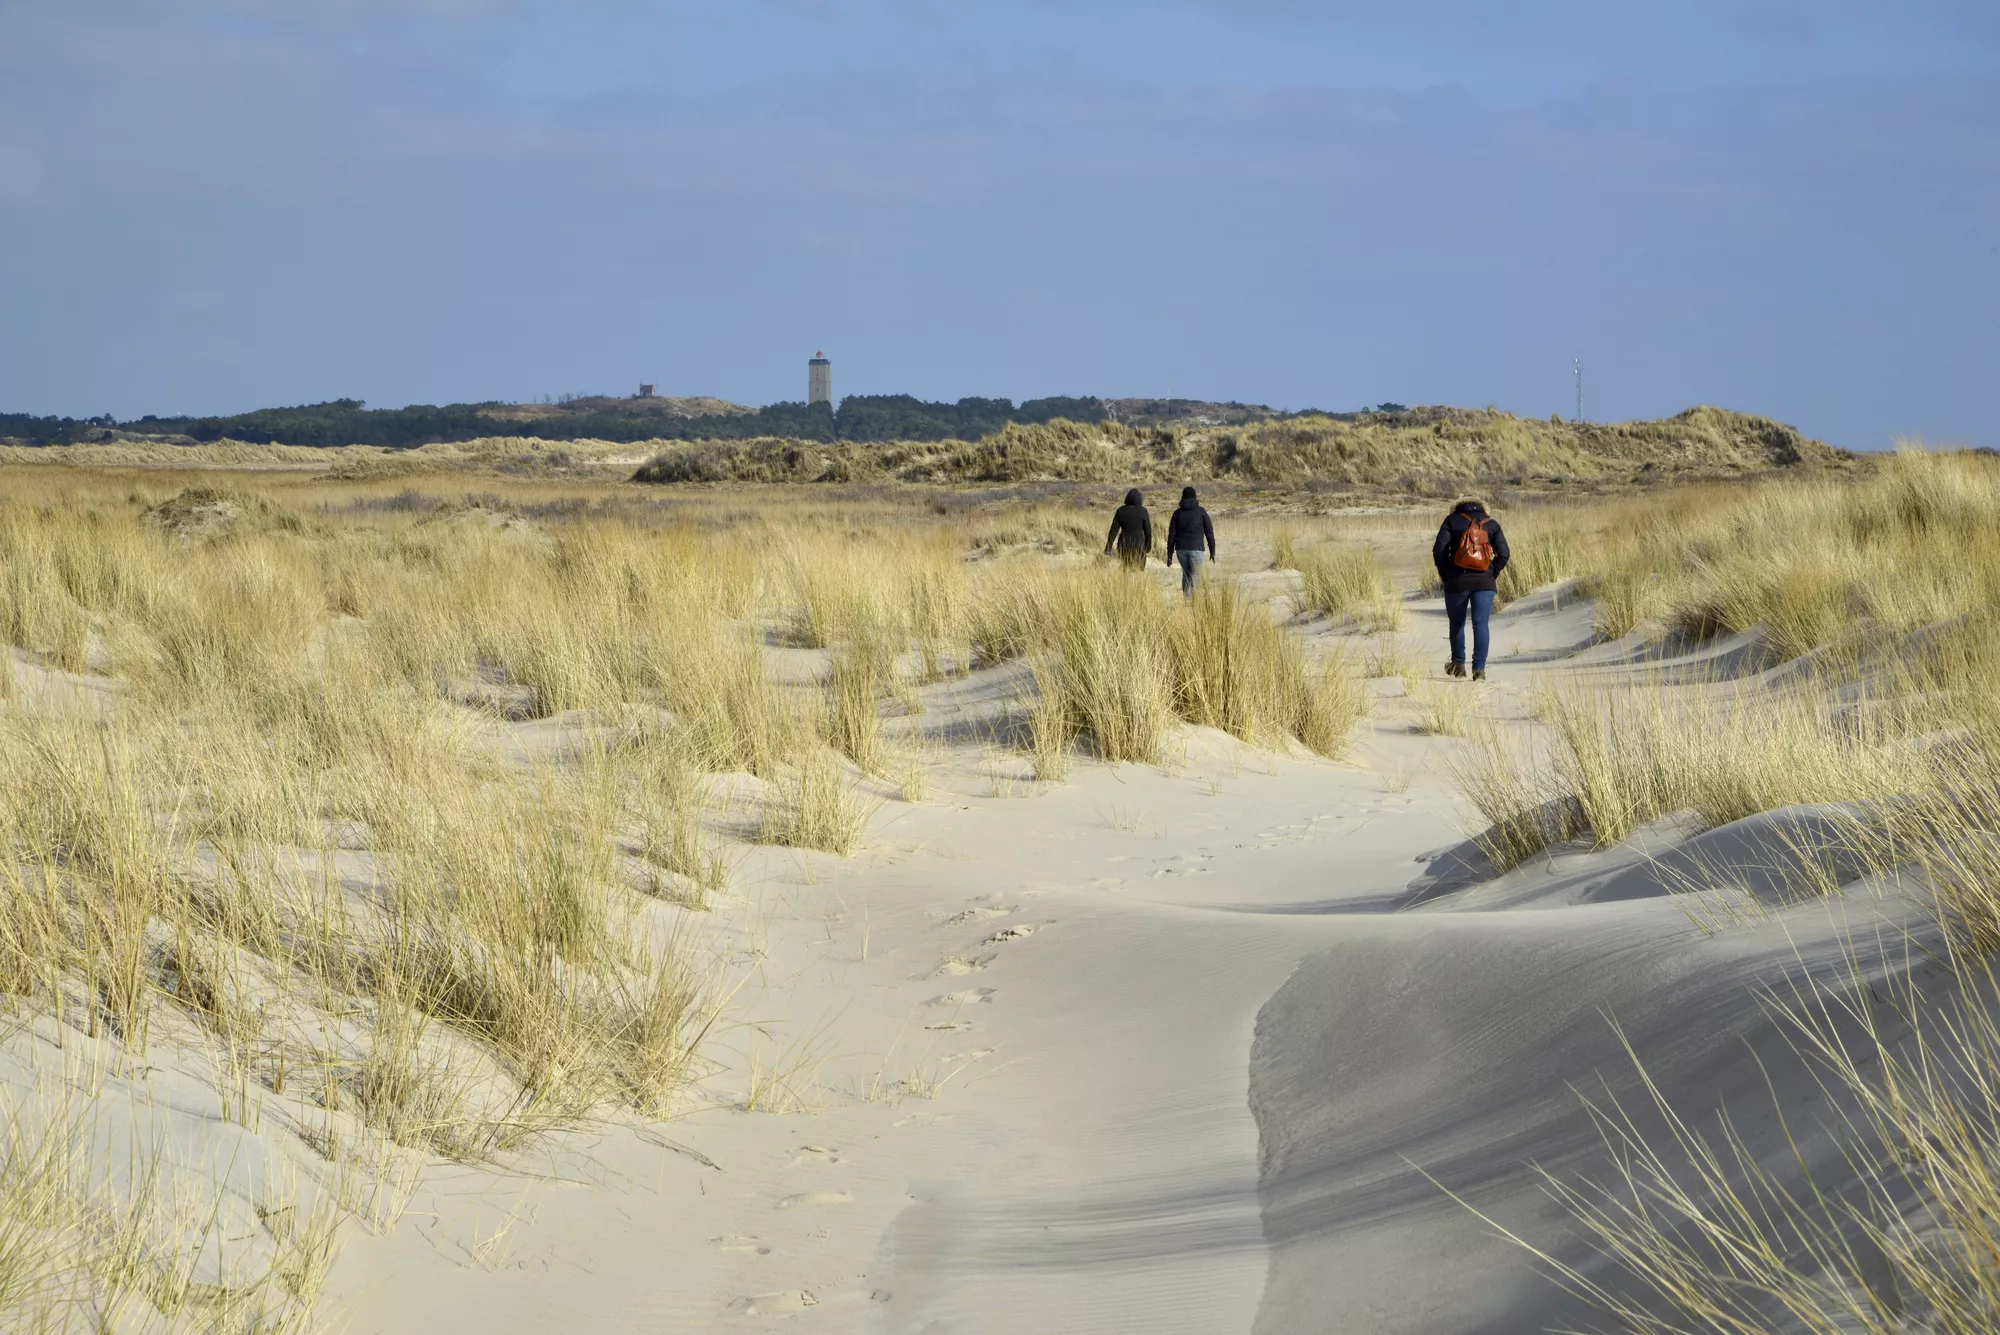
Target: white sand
<point>1144,1051</point>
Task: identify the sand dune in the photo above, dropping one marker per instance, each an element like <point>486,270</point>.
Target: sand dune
<point>1171,1049</point>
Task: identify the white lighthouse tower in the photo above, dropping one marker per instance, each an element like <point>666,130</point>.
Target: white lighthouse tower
<point>819,379</point>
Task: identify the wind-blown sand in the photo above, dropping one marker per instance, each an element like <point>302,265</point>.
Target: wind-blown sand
<point>1194,1049</point>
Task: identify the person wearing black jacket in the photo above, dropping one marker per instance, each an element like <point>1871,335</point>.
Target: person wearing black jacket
<point>1190,540</point>
<point>1470,572</point>
<point>1131,532</point>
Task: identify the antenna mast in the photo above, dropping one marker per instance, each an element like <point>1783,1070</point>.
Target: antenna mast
<point>1579,389</point>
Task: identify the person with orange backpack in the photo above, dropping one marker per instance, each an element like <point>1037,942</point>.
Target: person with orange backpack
<point>1470,552</point>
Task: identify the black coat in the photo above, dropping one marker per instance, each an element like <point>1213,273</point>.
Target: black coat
<point>1189,530</point>
<point>1454,578</point>
<point>1131,530</point>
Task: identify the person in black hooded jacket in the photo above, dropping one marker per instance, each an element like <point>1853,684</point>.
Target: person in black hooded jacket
<point>1131,532</point>
<point>1190,540</point>
<point>1470,573</point>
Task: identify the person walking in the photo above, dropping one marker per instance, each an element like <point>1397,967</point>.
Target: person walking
<point>1131,532</point>
<point>1470,552</point>
<point>1190,540</point>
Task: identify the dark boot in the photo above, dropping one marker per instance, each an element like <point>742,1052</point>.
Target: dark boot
<point>1454,669</point>
<point>1479,674</point>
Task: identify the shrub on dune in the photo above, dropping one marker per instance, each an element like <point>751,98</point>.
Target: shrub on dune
<point>1348,582</point>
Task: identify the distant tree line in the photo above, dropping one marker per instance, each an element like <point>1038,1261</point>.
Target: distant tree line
<point>860,417</point>
<point>882,417</point>
<point>48,430</point>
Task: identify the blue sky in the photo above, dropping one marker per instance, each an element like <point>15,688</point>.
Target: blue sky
<point>1790,208</point>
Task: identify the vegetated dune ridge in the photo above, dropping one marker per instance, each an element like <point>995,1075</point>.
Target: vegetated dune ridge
<point>497,918</point>
<point>1427,451</point>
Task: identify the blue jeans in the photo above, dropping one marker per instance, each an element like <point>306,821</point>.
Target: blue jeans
<point>1190,570</point>
<point>1479,602</point>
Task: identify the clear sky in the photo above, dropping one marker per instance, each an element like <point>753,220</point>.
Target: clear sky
<point>1784,206</point>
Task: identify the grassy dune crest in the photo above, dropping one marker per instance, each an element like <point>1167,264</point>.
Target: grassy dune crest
<point>1875,600</point>
<point>1811,561</point>
<point>1873,589</point>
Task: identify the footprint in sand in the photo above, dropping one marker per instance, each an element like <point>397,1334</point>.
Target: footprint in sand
<point>816,1154</point>
<point>789,1303</point>
<point>981,914</point>
<point>922,1118</point>
<point>1013,933</point>
<point>950,1026</point>
<point>741,1243</point>
<point>959,965</point>
<point>970,997</point>
<point>793,1302</point>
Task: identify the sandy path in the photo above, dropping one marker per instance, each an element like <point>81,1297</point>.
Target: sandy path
<point>1072,964</point>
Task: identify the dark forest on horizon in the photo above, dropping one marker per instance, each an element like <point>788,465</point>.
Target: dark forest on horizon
<point>859,418</point>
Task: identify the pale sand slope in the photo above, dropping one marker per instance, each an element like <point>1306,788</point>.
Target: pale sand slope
<point>1458,1043</point>
<point>1451,1045</point>
<point>1145,1051</point>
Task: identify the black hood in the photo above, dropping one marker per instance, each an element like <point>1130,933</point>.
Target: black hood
<point>1133,497</point>
<point>1188,498</point>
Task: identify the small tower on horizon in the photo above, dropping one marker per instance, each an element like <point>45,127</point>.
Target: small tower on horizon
<point>819,379</point>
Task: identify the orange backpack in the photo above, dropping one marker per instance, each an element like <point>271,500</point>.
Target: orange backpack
<point>1475,546</point>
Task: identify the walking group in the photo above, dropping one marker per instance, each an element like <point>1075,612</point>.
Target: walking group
<point>1470,551</point>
